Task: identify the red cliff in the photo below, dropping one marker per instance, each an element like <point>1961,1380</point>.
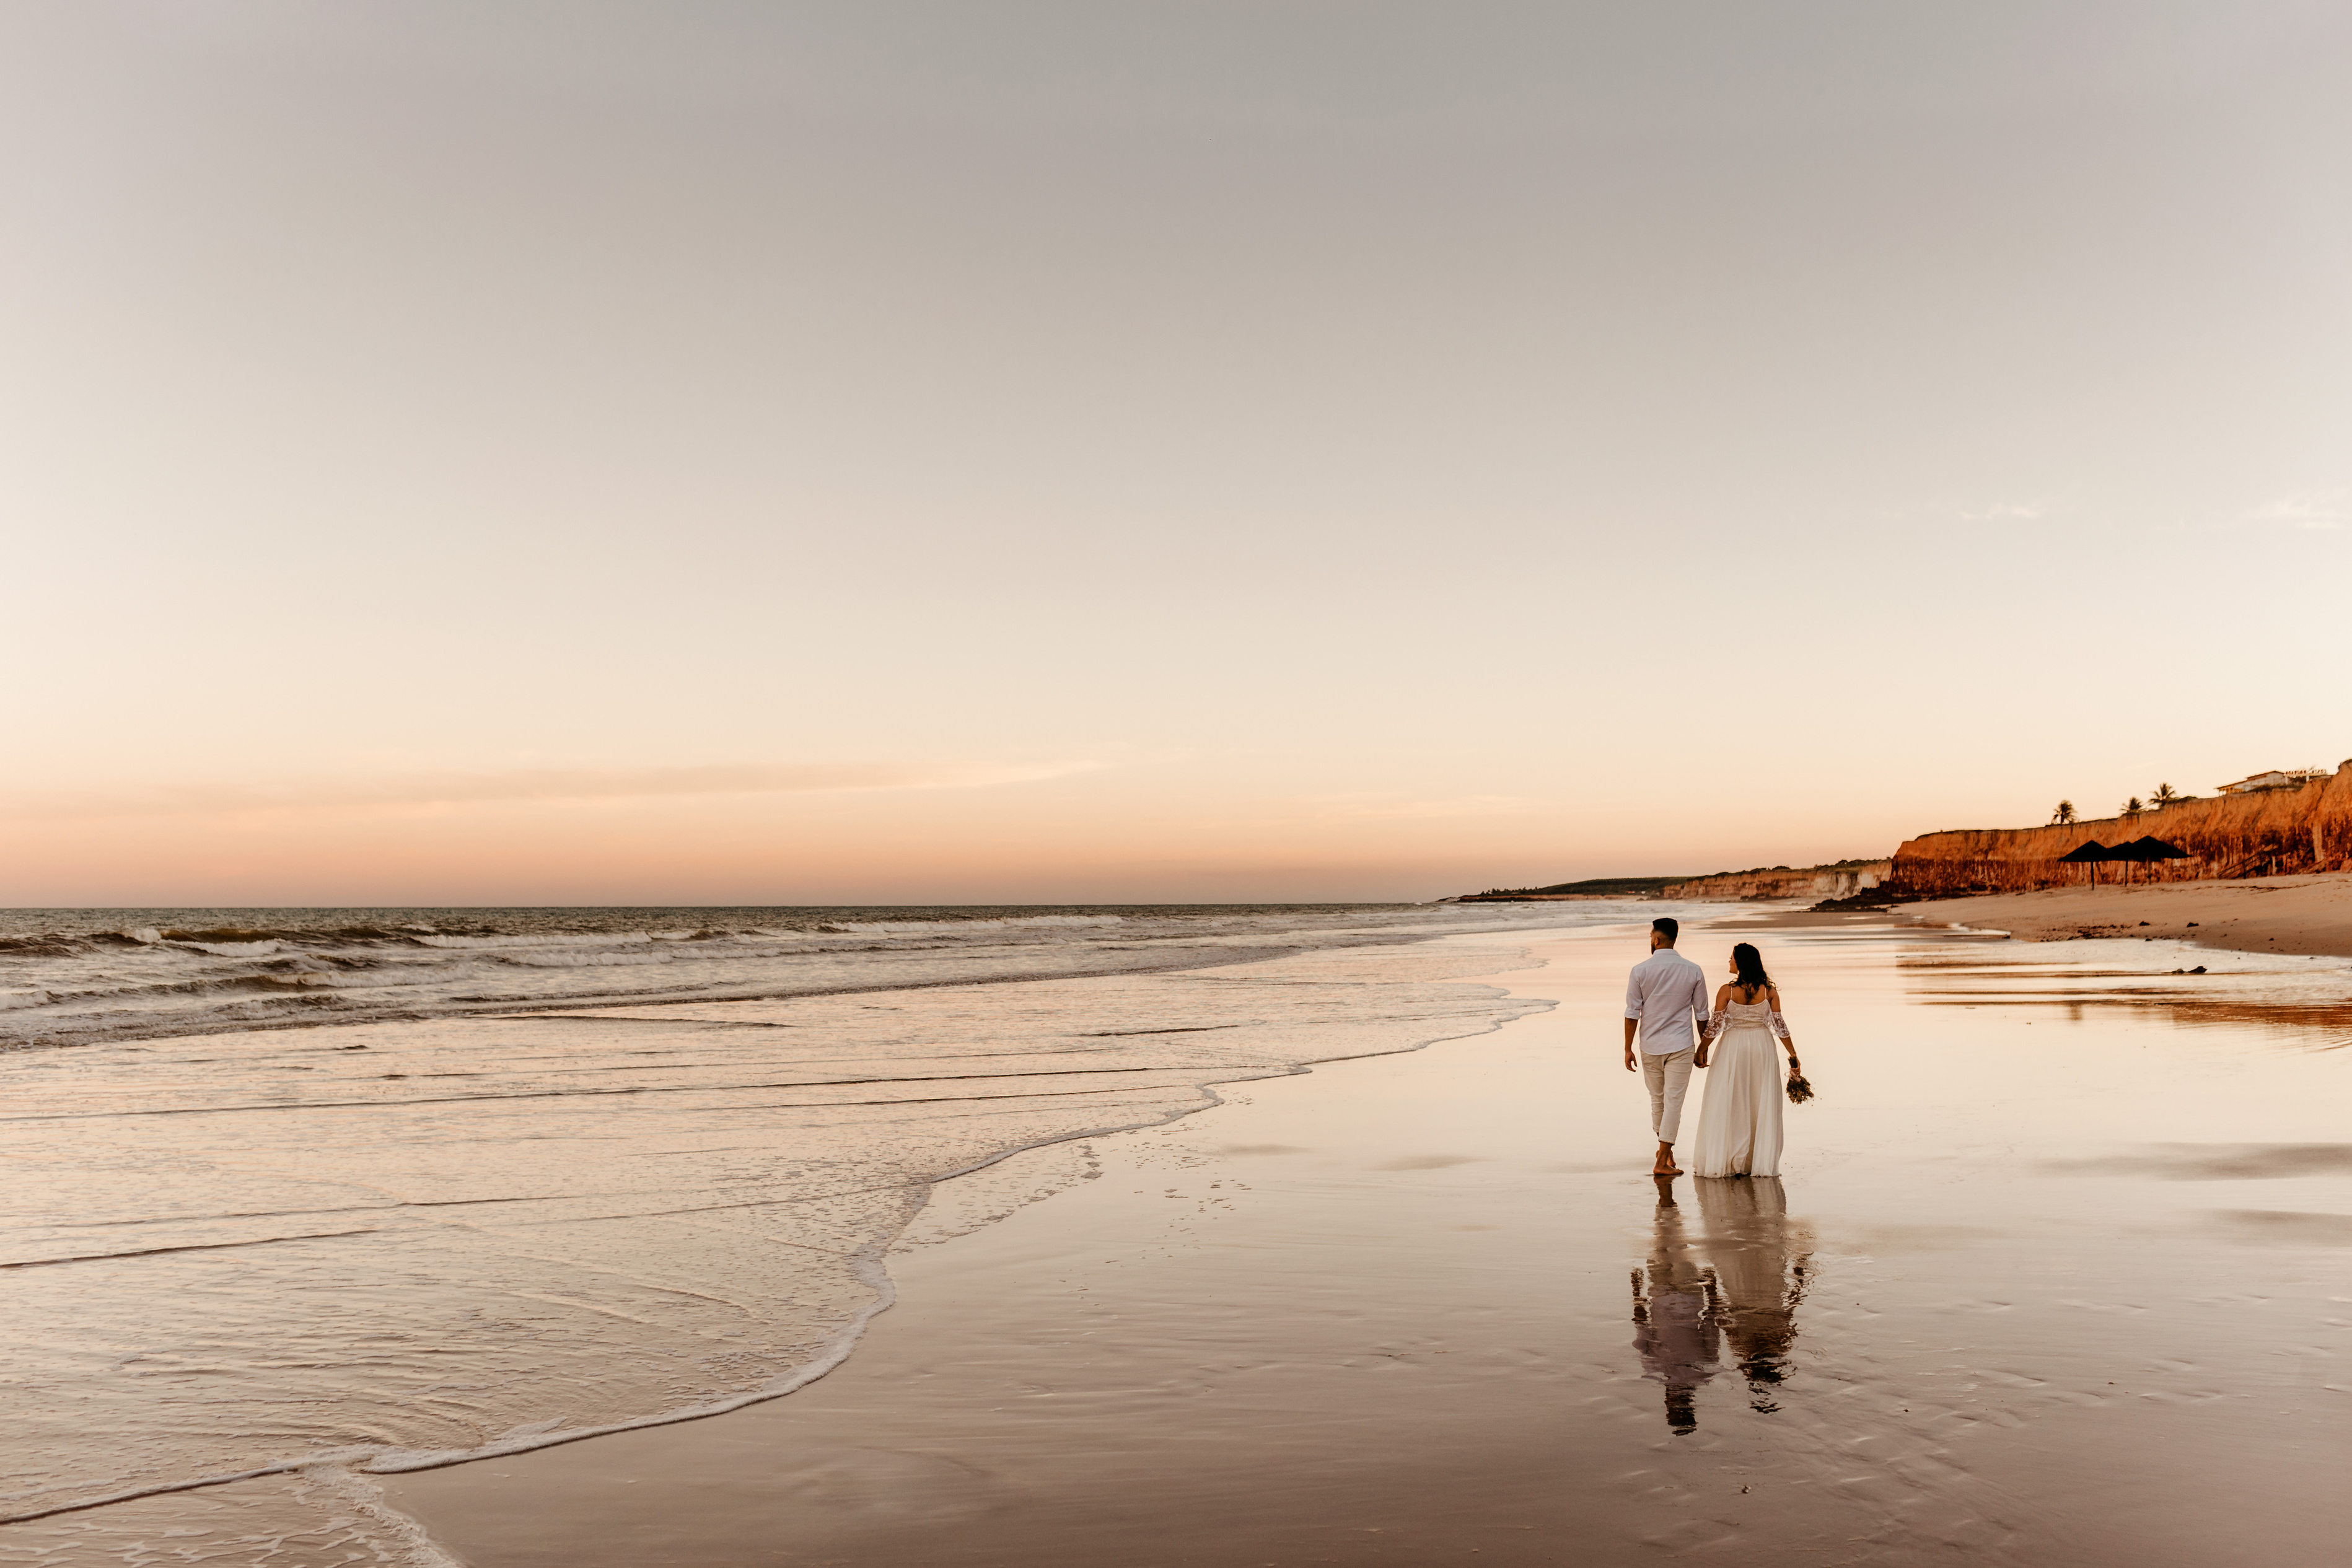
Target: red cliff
<point>2271,832</point>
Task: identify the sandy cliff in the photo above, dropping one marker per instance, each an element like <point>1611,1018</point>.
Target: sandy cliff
<point>1780,882</point>
<point>2281,831</point>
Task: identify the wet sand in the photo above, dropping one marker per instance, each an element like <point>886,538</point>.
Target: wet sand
<point>2056,1271</point>
<point>2262,914</point>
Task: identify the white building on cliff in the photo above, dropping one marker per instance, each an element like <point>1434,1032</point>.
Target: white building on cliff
<point>2276,778</point>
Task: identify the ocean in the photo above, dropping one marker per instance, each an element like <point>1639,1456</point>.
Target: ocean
<point>76,975</point>
<point>297,1193</point>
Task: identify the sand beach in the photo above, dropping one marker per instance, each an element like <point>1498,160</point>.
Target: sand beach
<point>2055,1271</point>
<point>2309,913</point>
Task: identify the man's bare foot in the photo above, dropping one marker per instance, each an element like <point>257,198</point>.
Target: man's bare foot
<point>1665,1164</point>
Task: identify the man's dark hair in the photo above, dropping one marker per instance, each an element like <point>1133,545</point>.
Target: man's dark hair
<point>1669,925</point>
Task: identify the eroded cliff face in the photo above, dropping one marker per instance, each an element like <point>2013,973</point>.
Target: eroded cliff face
<point>2277,832</point>
<point>1809,882</point>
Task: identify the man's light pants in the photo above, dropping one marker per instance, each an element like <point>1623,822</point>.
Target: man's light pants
<point>1668,1076</point>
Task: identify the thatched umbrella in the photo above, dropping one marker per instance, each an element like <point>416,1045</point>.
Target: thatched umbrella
<point>2089,853</point>
<point>2145,849</point>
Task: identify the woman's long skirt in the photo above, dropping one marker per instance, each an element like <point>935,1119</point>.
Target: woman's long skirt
<point>1739,1123</point>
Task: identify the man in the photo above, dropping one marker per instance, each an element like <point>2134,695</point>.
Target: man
<point>1675,1327</point>
<point>1662,994</point>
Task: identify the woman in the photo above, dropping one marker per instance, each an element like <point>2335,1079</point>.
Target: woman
<point>1740,1125</point>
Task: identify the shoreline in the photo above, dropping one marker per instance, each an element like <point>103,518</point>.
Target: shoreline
<point>753,1228</point>
<point>2296,914</point>
<point>1377,1315</point>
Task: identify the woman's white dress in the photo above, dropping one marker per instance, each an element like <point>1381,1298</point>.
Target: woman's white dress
<point>1739,1121</point>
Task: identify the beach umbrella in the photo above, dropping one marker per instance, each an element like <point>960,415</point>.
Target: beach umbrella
<point>2155,849</point>
<point>2147,848</point>
<point>2089,853</point>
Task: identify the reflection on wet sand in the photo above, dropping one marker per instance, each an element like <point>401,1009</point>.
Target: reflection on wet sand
<point>2303,1003</point>
<point>1676,1331</point>
<point>1762,1264</point>
<point>1741,1283</point>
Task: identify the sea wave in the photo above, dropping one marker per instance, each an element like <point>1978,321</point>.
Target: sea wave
<point>70,977</point>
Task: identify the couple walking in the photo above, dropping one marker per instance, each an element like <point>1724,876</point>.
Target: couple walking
<point>1739,1123</point>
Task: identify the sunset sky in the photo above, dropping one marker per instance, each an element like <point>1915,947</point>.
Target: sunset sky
<point>493,452</point>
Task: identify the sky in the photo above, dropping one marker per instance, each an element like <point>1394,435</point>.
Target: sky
<point>468,452</point>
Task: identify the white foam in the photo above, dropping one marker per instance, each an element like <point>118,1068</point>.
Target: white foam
<point>1030,922</point>
<point>566,939</point>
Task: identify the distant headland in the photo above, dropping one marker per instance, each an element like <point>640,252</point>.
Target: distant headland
<point>1839,879</point>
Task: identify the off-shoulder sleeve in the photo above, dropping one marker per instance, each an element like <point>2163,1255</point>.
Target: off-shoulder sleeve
<point>1779,1025</point>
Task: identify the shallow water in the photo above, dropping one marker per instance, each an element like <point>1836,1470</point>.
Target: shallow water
<point>388,1244</point>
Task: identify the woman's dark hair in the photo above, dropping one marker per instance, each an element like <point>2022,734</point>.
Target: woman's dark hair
<point>1750,965</point>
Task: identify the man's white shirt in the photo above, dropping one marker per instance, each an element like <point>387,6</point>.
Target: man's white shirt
<point>1664,991</point>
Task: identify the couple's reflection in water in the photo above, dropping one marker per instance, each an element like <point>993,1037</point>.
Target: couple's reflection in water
<point>1733,1286</point>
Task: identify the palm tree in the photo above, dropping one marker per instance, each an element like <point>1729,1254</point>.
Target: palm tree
<point>2165,796</point>
<point>2063,815</point>
<point>2132,808</point>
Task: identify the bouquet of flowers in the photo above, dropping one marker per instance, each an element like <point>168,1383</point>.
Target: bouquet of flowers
<point>1799,1089</point>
